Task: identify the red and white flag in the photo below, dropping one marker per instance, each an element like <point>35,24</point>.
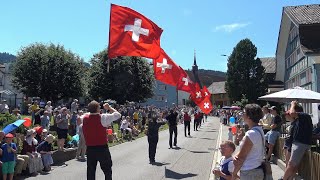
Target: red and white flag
<point>197,96</point>
<point>206,92</point>
<point>205,105</point>
<point>132,34</point>
<point>165,69</point>
<point>184,82</point>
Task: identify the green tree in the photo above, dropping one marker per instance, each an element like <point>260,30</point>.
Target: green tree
<point>242,103</point>
<point>49,72</point>
<point>245,74</point>
<point>129,79</point>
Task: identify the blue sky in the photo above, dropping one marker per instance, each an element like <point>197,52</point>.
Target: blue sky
<point>211,27</point>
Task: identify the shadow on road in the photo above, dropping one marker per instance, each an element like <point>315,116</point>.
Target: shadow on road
<point>159,164</point>
<point>210,131</point>
<point>207,138</point>
<point>176,148</point>
<point>199,152</point>
<point>175,175</point>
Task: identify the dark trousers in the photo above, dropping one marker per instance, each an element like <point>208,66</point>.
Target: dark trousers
<point>196,124</point>
<point>173,129</point>
<point>152,148</point>
<point>186,126</point>
<point>225,121</point>
<point>102,155</point>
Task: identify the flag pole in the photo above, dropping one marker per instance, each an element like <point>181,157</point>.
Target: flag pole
<point>108,65</point>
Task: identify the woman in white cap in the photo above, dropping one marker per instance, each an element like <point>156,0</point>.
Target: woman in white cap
<point>29,148</point>
<point>44,149</point>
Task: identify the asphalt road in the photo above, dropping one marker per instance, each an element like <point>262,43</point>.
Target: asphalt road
<point>192,160</point>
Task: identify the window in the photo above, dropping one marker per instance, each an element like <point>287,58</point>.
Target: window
<point>162,87</point>
<point>160,98</point>
<point>307,108</point>
<point>303,78</point>
<point>184,101</point>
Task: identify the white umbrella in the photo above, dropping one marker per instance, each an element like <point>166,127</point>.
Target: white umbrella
<point>297,93</point>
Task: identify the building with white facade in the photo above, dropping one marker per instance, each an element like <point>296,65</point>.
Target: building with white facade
<point>7,92</point>
<point>298,51</point>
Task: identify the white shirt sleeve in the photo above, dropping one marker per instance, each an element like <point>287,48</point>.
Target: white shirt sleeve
<point>230,166</point>
<point>107,119</point>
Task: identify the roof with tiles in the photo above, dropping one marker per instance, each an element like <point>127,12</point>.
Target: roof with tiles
<point>217,87</point>
<point>304,14</point>
<point>269,63</point>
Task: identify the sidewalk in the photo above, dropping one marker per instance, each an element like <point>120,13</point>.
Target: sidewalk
<point>277,172</point>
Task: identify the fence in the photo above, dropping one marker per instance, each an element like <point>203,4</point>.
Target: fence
<point>309,166</point>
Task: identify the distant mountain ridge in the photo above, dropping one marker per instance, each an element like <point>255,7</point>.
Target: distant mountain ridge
<point>207,77</point>
<point>6,57</point>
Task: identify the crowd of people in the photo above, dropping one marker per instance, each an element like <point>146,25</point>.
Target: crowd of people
<point>60,127</point>
<point>257,140</point>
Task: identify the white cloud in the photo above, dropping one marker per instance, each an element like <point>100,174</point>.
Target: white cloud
<point>230,27</point>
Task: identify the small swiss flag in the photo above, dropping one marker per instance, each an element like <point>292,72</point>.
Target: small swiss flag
<point>205,105</point>
<point>197,96</point>
<point>206,92</point>
<point>166,70</point>
<point>132,34</point>
<point>184,82</point>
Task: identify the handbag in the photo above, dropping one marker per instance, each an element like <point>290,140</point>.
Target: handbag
<point>266,166</point>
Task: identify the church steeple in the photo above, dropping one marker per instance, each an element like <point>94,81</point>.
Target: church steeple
<point>195,70</point>
<point>194,59</point>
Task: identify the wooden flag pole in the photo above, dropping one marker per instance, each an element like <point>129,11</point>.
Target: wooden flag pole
<point>108,66</point>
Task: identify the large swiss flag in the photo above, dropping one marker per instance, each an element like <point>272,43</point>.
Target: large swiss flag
<point>165,69</point>
<point>132,34</point>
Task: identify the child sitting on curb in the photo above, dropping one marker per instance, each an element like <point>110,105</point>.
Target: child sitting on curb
<point>226,163</point>
<point>7,151</point>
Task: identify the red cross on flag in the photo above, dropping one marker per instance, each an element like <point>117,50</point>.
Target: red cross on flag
<point>184,82</point>
<point>165,69</point>
<point>132,34</point>
<point>205,105</point>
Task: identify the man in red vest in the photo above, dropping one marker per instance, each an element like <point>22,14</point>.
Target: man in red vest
<point>94,131</point>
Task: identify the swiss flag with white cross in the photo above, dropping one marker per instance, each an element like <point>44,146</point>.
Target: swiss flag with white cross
<point>184,82</point>
<point>132,34</point>
<point>197,96</point>
<point>206,92</point>
<point>165,69</point>
<point>205,105</point>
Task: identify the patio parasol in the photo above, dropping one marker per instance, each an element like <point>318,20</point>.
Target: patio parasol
<point>235,107</point>
<point>295,94</point>
<point>12,126</point>
<point>226,107</point>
